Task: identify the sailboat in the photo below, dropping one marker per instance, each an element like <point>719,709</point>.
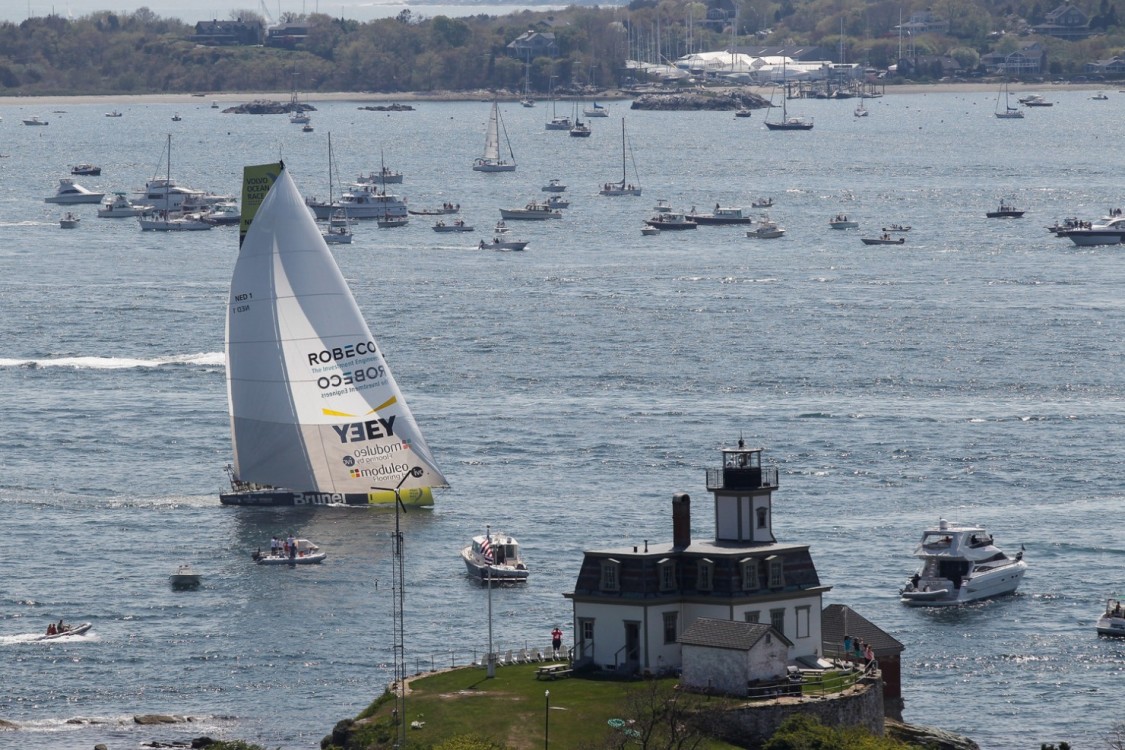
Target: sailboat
<point>170,218</point>
<point>557,122</point>
<point>623,187</point>
<point>491,161</point>
<point>527,101</point>
<point>316,417</point>
<point>787,122</point>
<point>338,231</point>
<point>1008,112</point>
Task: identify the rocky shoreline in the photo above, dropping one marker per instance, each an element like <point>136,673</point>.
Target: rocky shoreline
<point>686,102</point>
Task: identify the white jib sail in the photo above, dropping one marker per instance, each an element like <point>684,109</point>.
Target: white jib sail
<point>492,137</point>
<point>313,405</point>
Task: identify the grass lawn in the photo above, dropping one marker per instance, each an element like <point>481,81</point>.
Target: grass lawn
<point>512,708</point>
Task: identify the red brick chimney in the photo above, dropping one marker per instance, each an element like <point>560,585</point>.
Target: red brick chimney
<point>681,521</point>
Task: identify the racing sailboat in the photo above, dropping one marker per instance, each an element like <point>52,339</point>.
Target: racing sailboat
<point>316,417</point>
<point>491,160</point>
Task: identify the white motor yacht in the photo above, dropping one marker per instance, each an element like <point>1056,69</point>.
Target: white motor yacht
<point>185,577</point>
<point>303,552</point>
<point>165,221</point>
<point>961,564</point>
<point>120,207</point>
<point>70,192</point>
<point>1112,621</point>
<point>767,229</point>
<point>534,210</point>
<point>362,202</point>
<point>841,221</point>
<point>223,213</point>
<point>69,221</point>
<point>1111,232</point>
<point>495,556</point>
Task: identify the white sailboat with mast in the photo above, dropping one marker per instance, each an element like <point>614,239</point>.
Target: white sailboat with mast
<point>624,187</point>
<point>316,416</point>
<point>338,231</point>
<point>1008,112</point>
<point>491,160</point>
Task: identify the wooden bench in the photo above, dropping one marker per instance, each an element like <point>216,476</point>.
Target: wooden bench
<point>553,672</point>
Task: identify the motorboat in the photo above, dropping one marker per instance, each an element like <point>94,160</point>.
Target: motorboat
<point>171,221</point>
<point>385,176</point>
<point>70,192</point>
<point>456,226</point>
<point>185,577</point>
<point>762,203</point>
<point>303,552</point>
<point>445,208</point>
<point>767,229</point>
<point>743,112</point>
<point>648,231</point>
<point>1112,621</point>
<point>34,120</point>
<point>557,201</point>
<point>886,239</point>
<point>841,221</point>
<point>533,211</point>
<point>392,222</point>
<point>1005,211</point>
<point>502,240</point>
<point>120,207</point>
<point>1087,234</point>
<point>1100,97</point>
<point>553,186</point>
<point>69,221</point>
<point>114,113</point>
<point>896,228</point>
<point>1035,100</point>
<point>300,117</point>
<point>337,234</point>
<point>307,128</point>
<point>222,214</point>
<point>722,216</point>
<point>361,202</point>
<point>662,206</point>
<point>495,556</point>
<point>960,564</point>
<point>176,118</point>
<point>67,631</point>
<point>671,220</point>
<point>88,170</point>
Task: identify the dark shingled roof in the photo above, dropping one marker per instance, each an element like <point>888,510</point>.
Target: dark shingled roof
<point>728,634</point>
<point>838,620</point>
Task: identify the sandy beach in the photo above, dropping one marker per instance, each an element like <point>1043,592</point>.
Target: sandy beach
<point>232,99</point>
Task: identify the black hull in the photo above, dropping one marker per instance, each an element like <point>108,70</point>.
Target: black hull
<point>788,126</point>
<point>712,221</point>
<point>289,498</point>
<point>1004,215</point>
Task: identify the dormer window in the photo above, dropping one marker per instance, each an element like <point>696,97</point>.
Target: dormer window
<point>776,570</point>
<point>749,567</point>
<point>705,575</point>
<point>610,575</point>
<point>667,574</point>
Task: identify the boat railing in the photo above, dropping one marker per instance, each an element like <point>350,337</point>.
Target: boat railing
<point>739,478</point>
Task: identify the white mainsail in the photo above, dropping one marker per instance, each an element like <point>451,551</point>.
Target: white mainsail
<point>492,136</point>
<point>313,406</point>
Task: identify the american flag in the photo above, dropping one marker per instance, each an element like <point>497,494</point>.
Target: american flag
<point>486,550</point>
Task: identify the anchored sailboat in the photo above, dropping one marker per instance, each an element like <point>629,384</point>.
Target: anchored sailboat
<point>624,187</point>
<point>491,161</point>
<point>787,122</point>
<point>316,417</point>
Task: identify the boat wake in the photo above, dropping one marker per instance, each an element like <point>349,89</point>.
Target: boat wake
<point>18,638</point>
<point>206,359</point>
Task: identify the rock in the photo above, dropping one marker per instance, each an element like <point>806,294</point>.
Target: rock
<point>202,742</point>
<point>148,719</point>
<point>100,747</point>
<point>687,101</point>
<point>927,737</point>
<point>268,107</point>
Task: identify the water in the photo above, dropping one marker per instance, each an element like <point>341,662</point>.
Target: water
<point>567,392</point>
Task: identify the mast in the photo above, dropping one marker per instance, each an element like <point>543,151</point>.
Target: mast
<point>623,172</point>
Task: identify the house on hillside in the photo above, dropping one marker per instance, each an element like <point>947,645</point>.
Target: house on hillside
<point>532,44</point>
<point>287,35</point>
<point>1030,59</point>
<point>224,33</point>
<point>923,22</point>
<point>1065,22</point>
<point>632,604</point>
<point>1114,67</point>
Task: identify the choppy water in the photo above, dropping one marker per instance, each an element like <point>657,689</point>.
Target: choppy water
<point>974,373</point>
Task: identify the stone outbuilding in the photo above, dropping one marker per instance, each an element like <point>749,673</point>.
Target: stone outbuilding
<point>724,656</point>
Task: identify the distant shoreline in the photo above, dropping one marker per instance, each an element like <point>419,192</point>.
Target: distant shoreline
<point>232,99</point>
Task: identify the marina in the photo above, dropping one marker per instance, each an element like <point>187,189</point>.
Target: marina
<point>560,390</point>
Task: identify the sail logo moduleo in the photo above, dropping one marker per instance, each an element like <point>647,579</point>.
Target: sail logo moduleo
<point>380,471</point>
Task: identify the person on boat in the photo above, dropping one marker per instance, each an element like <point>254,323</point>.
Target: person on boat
<point>274,544</point>
<point>61,628</point>
<point>556,640</point>
<point>51,629</point>
<point>481,246</point>
<point>291,545</point>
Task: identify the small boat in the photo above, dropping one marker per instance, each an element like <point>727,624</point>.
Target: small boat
<point>303,552</point>
<point>580,129</point>
<point>557,201</point>
<point>623,187</point>
<point>89,170</point>
<point>1112,621</point>
<point>767,229</point>
<point>1035,100</point>
<point>860,111</point>
<point>171,221</point>
<point>648,231</point>
<point>445,208</point>
<point>501,240</point>
<point>214,105</point>
<point>1008,112</point>
<point>557,121</point>
<point>70,192</point>
<point>300,117</point>
<point>1087,234</point>
<point>457,226</point>
<point>185,577</point>
<point>120,207</point>
<point>662,206</point>
<point>671,220</point>
<point>533,211</point>
<point>337,235</point>
<point>69,221</point>
<point>490,161</point>
<point>553,186</point>
<point>34,120</point>
<point>176,118</point>
<point>391,222</point>
<point>68,630</point>
<point>495,556</point>
<point>762,203</point>
<point>114,113</point>
<point>841,221</point>
<point>222,214</point>
<point>743,112</point>
<point>385,176</point>
<point>786,122</point>
<point>886,239</point>
<point>307,128</point>
<point>1005,211</point>
<point>1099,97</point>
<point>896,228</point>
<point>596,111</point>
<point>960,564</point>
<point>722,216</point>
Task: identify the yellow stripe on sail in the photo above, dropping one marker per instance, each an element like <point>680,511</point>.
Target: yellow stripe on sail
<point>333,413</point>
